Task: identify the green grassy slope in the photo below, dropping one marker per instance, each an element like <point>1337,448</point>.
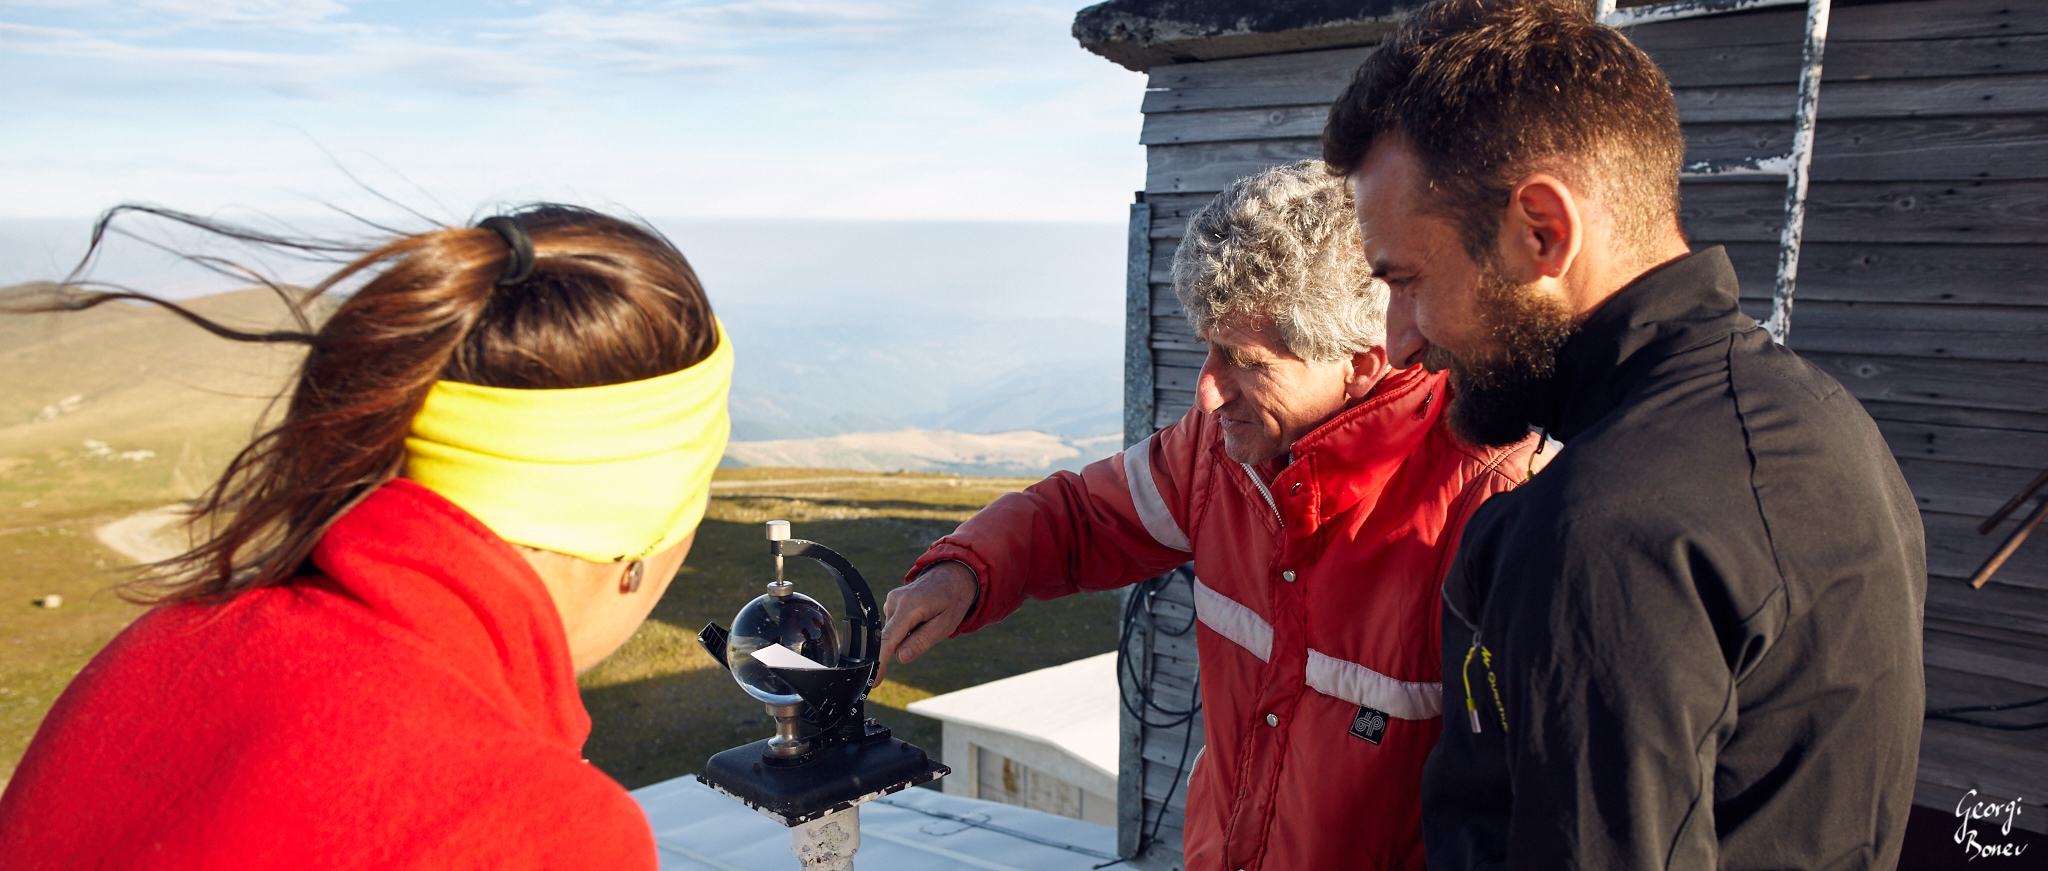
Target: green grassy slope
<point>40,649</point>
<point>146,381</point>
<point>149,382</point>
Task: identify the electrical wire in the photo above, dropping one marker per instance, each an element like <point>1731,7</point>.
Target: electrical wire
<point>985,824</point>
<point>1187,740</point>
<point>1137,611</point>
<point>1140,620</point>
<point>1953,715</point>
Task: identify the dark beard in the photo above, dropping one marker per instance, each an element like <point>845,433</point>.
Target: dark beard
<point>1501,389</point>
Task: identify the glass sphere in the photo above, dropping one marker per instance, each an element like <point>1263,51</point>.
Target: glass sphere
<point>795,621</point>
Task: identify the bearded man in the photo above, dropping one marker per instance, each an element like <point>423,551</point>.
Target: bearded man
<point>1319,495</point>
<point>1693,641</point>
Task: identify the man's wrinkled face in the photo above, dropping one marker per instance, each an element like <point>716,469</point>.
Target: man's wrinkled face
<point>1499,337</point>
<point>1264,397</point>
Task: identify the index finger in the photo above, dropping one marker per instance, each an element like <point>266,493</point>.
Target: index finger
<point>893,632</point>
<point>896,628</point>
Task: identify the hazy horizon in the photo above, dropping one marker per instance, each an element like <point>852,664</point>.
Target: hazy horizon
<point>842,326</point>
<point>991,268</point>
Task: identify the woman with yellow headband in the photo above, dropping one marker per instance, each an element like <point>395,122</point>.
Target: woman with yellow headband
<point>493,462</point>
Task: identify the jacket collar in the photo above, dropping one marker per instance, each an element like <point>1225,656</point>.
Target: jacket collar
<point>1349,459</point>
<point>446,582</point>
<point>1680,305</point>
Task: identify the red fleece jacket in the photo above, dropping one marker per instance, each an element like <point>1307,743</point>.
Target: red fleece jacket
<point>410,705</point>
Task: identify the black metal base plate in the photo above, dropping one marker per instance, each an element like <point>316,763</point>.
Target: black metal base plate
<point>839,778</point>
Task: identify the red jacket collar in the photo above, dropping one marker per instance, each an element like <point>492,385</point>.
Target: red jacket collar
<point>438,574</point>
<point>1350,459</point>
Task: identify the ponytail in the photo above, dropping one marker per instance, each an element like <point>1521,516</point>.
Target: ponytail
<point>606,302</point>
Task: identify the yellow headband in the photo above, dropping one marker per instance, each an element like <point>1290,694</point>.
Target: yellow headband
<point>604,473</point>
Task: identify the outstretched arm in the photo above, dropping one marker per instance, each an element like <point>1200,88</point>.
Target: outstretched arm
<point>1098,529</point>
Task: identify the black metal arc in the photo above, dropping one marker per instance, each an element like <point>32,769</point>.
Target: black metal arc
<point>864,641</point>
<point>714,638</point>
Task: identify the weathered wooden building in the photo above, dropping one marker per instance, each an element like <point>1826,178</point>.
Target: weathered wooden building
<point>1923,287</point>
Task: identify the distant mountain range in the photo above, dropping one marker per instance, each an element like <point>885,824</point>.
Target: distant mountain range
<point>967,397</point>
<point>950,330</point>
<point>850,326</point>
<point>810,379</point>
<point>1023,453</point>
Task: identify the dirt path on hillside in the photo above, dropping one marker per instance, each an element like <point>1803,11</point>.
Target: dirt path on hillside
<point>146,537</point>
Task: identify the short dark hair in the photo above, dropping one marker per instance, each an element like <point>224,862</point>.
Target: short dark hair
<point>1487,91</point>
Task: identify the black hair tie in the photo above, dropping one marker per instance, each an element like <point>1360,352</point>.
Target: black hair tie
<point>520,266</point>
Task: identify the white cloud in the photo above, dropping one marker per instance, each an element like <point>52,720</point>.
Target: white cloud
<point>690,39</point>
<point>887,108</point>
<point>651,38</point>
<point>300,15</point>
<point>12,31</point>
<point>338,75</point>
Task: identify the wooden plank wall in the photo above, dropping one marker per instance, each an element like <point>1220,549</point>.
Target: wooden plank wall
<point>1923,286</point>
<point>1206,125</point>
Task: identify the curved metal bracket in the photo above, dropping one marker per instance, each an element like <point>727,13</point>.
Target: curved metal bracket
<point>864,619</point>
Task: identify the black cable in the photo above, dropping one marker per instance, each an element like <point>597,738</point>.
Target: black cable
<point>1140,607</point>
<point>2003,727</point>
<point>1139,616</point>
<point>1137,609</point>
<point>984,824</point>
<point>1952,715</point>
<point>1977,709</point>
<point>1180,768</point>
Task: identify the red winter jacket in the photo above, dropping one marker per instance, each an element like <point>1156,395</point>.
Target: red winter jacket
<point>411,706</point>
<point>1318,595</point>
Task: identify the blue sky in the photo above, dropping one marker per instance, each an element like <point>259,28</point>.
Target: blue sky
<point>890,109</point>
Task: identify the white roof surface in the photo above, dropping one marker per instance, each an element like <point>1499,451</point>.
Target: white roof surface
<point>914,830</point>
<point>1072,707</point>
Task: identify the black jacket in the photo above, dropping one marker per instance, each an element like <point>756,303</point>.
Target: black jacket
<point>1702,619</point>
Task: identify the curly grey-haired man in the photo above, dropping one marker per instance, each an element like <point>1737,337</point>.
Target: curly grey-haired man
<point>1319,494</point>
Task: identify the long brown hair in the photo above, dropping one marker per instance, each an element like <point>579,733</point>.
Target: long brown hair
<point>608,302</point>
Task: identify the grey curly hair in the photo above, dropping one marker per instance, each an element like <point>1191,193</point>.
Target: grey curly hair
<point>1284,245</point>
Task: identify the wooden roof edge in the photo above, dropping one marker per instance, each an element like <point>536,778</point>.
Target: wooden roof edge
<point>1142,34</point>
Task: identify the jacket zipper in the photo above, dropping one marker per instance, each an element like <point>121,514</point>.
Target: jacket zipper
<point>1266,493</point>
